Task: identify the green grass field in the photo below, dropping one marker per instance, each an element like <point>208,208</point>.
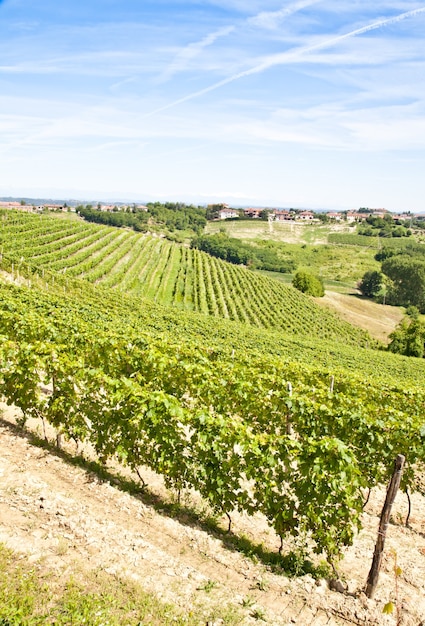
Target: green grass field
<point>291,232</point>
<point>308,246</point>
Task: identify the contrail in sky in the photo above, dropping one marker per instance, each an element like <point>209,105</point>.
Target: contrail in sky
<point>286,57</point>
<point>271,19</point>
<point>265,19</point>
<point>192,50</point>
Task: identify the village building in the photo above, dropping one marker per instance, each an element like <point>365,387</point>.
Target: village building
<point>227,214</point>
<point>356,216</point>
<point>333,215</point>
<point>282,215</point>
<point>306,216</point>
<point>402,217</point>
<point>253,213</point>
<point>379,212</point>
<point>10,205</point>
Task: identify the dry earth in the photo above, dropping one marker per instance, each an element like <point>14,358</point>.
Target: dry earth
<point>65,516</point>
<point>378,319</point>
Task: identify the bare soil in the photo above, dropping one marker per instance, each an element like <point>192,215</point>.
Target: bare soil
<point>64,515</point>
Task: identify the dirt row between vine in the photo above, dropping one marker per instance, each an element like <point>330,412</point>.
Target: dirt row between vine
<point>65,516</point>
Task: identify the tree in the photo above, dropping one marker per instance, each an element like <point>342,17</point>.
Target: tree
<point>308,284</point>
<point>371,284</point>
<point>385,253</point>
<point>407,277</point>
<point>323,217</point>
<point>409,337</point>
<point>413,312</point>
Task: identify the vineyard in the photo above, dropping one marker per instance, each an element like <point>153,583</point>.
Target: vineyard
<point>248,431</point>
<point>166,273</point>
<point>375,242</point>
<point>288,424</point>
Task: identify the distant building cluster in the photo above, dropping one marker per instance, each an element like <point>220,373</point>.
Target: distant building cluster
<point>224,212</point>
<point>38,208</point>
<point>114,207</point>
<point>35,208</point>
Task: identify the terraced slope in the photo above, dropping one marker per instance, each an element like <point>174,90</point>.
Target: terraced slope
<point>166,273</point>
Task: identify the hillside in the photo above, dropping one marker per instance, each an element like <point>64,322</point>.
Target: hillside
<point>288,232</point>
<point>164,272</point>
<point>379,320</point>
<point>277,433</point>
<point>115,312</point>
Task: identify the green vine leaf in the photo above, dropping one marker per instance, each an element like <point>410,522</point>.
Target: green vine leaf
<point>388,608</point>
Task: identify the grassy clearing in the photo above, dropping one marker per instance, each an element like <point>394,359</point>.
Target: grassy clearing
<point>290,232</point>
<point>32,595</point>
<point>378,319</point>
<point>335,264</point>
<point>241,230</point>
<point>331,285</point>
<point>306,245</point>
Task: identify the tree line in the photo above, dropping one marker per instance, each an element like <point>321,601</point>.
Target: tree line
<point>171,215</point>
<point>384,227</point>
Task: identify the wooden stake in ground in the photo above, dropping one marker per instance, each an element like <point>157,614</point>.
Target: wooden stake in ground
<point>372,579</point>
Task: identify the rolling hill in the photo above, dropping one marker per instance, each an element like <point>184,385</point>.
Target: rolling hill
<point>291,415</point>
<point>166,273</point>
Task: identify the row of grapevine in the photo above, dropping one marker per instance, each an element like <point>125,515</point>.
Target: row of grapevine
<point>140,264</point>
<point>37,247</point>
<point>211,423</point>
<point>66,254</point>
<point>125,275</point>
<point>222,336</point>
<point>168,276</point>
<point>157,271</point>
<point>352,239</point>
<point>108,258</point>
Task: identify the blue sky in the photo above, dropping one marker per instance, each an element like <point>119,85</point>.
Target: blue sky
<point>304,103</point>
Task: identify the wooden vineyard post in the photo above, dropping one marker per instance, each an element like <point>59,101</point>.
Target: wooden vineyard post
<point>288,415</point>
<point>372,579</point>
